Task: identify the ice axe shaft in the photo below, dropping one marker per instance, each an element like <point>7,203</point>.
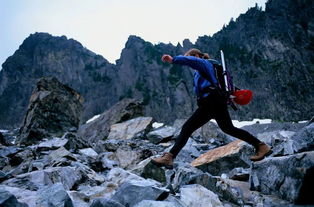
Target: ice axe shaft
<point>224,69</point>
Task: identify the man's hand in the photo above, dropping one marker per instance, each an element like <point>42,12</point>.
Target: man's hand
<point>166,58</point>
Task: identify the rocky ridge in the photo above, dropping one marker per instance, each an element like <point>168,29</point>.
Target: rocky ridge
<point>269,52</point>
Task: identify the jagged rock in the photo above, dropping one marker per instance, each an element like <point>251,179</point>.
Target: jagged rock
<point>152,171</point>
<point>161,134</point>
<point>149,203</point>
<point>107,160</point>
<point>68,176</point>
<point>128,153</point>
<point>9,200</point>
<point>54,108</point>
<point>54,195</point>
<point>223,159</point>
<point>240,174</point>
<point>183,176</point>
<point>9,151</point>
<point>102,202</point>
<point>60,156</point>
<point>52,144</point>
<point>133,192</point>
<point>188,153</point>
<point>3,141</point>
<point>133,128</point>
<point>22,195</point>
<point>88,152</point>
<point>272,176</point>
<point>74,142</point>
<point>303,140</point>
<point>197,196</point>
<point>219,186</point>
<point>99,129</point>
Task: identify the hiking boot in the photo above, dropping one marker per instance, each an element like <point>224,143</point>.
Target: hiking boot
<point>262,150</point>
<point>166,160</point>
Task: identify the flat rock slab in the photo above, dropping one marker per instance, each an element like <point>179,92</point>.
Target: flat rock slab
<point>223,159</point>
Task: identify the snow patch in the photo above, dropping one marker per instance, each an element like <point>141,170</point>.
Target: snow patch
<point>92,119</point>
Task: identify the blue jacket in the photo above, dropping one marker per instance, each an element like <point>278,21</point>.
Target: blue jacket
<point>201,66</point>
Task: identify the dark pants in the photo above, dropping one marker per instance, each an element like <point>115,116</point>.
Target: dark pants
<point>212,107</point>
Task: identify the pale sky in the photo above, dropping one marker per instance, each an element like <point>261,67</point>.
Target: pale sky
<point>103,26</point>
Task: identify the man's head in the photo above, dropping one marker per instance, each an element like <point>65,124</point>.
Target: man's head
<point>196,53</point>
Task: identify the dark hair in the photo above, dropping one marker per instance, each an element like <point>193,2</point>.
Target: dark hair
<point>194,51</point>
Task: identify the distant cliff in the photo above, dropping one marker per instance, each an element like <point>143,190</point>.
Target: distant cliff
<point>269,52</point>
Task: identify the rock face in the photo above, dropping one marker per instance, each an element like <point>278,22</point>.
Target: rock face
<point>273,61</point>
<point>54,108</point>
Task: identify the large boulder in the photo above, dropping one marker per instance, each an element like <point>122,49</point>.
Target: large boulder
<point>68,176</point>
<point>9,200</point>
<point>303,140</point>
<point>223,159</point>
<point>54,195</point>
<point>198,196</point>
<point>132,128</point>
<point>283,176</point>
<point>133,192</point>
<point>54,108</point>
<point>99,128</point>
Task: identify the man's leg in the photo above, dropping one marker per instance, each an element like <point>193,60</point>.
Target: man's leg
<point>198,119</point>
<point>224,122</point>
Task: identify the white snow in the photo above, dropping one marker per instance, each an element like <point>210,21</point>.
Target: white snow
<point>157,125</point>
<point>3,130</point>
<point>240,124</point>
<point>94,118</point>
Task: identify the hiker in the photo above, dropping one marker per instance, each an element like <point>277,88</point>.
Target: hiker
<point>211,105</point>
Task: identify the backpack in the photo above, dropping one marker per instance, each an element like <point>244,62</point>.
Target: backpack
<point>224,78</point>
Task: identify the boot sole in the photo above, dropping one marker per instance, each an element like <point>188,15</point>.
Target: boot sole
<point>161,165</point>
<point>266,155</point>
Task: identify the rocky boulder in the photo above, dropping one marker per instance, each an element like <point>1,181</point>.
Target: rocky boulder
<point>133,128</point>
<point>54,108</point>
<point>99,128</point>
<point>283,176</point>
<point>223,159</point>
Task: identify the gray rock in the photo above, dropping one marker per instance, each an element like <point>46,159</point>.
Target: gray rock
<point>133,192</point>
<point>9,151</point>
<point>60,156</point>
<point>35,180</point>
<point>197,196</point>
<point>22,195</point>
<point>54,195</point>
<point>98,129</point>
<point>149,203</point>
<point>102,202</point>
<point>88,152</point>
<point>303,140</point>
<point>152,171</point>
<point>54,108</point>
<point>161,134</point>
<point>272,176</point>
<point>133,128</point>
<point>53,143</point>
<point>9,200</point>
<point>183,175</point>
<point>74,142</point>
<point>240,174</point>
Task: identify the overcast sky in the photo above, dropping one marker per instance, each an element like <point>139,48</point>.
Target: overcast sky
<point>104,26</point>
